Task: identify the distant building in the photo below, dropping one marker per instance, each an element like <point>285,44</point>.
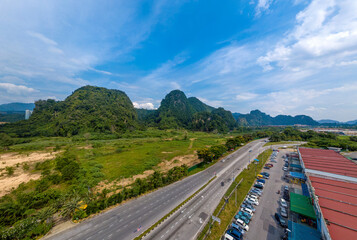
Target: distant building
<point>28,114</point>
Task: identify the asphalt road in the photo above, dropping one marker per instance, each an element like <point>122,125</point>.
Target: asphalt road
<point>132,218</point>
<point>263,224</point>
<point>190,220</point>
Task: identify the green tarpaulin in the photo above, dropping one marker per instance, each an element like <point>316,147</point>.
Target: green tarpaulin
<point>301,205</point>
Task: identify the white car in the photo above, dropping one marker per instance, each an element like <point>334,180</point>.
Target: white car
<point>252,201</point>
<point>283,212</point>
<point>283,203</point>
<point>285,169</point>
<point>228,237</point>
<point>247,210</point>
<point>242,224</point>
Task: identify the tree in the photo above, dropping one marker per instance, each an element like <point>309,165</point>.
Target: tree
<point>70,207</point>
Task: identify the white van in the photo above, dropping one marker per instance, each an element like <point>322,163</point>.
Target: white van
<point>242,224</point>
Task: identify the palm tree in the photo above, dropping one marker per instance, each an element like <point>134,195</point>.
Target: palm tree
<point>70,207</point>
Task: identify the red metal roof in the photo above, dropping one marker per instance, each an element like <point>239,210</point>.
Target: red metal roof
<point>328,161</point>
<point>338,203</point>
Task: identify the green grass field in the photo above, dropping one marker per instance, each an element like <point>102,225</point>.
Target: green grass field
<point>280,143</point>
<point>125,157</point>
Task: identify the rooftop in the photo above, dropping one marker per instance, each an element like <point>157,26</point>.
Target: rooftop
<point>328,161</point>
<point>338,203</point>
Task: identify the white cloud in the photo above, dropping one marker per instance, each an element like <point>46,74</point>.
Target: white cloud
<point>246,96</point>
<point>325,35</point>
<point>262,5</point>
<point>147,105</point>
<point>16,89</point>
<point>315,109</point>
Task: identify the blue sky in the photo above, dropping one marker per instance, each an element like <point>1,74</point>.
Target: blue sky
<point>279,56</point>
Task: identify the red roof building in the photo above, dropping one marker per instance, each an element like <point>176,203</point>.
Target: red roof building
<point>332,182</point>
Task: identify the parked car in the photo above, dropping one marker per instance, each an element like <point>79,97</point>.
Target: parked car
<point>286,197</point>
<point>286,165</point>
<point>259,176</point>
<point>280,220</point>
<point>286,188</point>
<point>261,181</point>
<point>234,233</point>
<point>259,186</point>
<point>238,228</point>
<point>253,196</point>
<point>247,212</point>
<point>269,165</point>
<point>265,167</point>
<point>244,219</point>
<point>283,203</point>
<point>228,237</point>
<point>285,168</point>
<point>273,160</point>
<point>283,212</point>
<point>251,201</point>
<point>242,225</point>
<point>265,174</point>
<point>249,206</point>
<point>254,190</point>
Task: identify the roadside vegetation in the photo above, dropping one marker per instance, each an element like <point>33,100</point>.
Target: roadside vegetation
<point>249,176</point>
<point>68,185</point>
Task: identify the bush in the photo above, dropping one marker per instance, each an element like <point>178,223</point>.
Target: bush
<point>9,170</point>
<point>25,167</point>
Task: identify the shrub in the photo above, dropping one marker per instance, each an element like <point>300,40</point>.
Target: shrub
<point>25,167</point>
<point>9,170</point>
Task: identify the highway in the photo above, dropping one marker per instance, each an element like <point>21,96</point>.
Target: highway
<point>132,218</point>
<point>189,221</point>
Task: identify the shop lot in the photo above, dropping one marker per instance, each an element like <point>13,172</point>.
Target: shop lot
<point>263,224</point>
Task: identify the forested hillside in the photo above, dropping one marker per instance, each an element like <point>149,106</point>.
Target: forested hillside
<point>258,118</point>
<point>88,109</point>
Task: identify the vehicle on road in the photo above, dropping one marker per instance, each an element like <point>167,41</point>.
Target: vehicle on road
<point>238,228</point>
<point>258,186</point>
<point>283,212</point>
<point>283,203</point>
<point>242,225</point>
<point>280,220</point>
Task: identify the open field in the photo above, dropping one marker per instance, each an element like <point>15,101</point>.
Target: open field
<point>280,143</point>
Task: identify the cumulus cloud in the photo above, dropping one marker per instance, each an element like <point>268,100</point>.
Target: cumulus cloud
<point>325,36</point>
<point>147,105</point>
<point>16,89</point>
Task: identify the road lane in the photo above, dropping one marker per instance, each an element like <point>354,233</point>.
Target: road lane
<point>128,220</point>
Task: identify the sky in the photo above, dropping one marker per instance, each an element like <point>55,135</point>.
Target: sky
<point>279,56</point>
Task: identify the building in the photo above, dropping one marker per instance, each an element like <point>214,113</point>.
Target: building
<point>28,114</point>
<point>331,181</point>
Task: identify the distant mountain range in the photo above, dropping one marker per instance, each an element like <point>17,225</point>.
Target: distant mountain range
<point>258,118</point>
<point>16,107</point>
<point>96,109</point>
<point>334,122</point>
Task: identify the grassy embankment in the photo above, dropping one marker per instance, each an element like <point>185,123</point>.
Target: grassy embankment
<point>280,143</point>
<point>248,176</point>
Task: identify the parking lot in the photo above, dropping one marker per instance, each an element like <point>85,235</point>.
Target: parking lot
<point>263,224</point>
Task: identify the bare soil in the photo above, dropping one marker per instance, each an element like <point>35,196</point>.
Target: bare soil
<point>15,160</point>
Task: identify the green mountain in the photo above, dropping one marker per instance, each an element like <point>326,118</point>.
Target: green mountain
<point>258,118</point>
<point>177,110</point>
<point>88,109</point>
<point>199,106</point>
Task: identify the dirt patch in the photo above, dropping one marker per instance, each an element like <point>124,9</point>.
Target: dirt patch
<point>189,160</point>
<point>8,183</point>
<point>11,159</point>
<point>15,160</point>
<point>86,147</point>
<point>122,182</point>
<point>166,152</point>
